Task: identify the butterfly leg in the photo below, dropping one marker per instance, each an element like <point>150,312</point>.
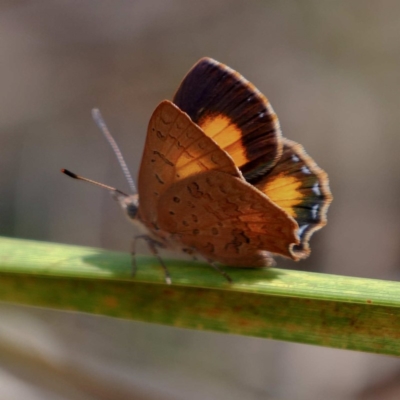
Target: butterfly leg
<point>219,270</point>
<point>153,246</point>
<point>133,255</point>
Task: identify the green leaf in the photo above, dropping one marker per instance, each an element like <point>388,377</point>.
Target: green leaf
<point>304,307</point>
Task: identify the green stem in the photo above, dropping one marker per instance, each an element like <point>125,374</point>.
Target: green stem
<point>304,307</point>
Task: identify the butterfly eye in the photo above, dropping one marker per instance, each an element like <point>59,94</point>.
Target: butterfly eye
<point>131,210</point>
<point>129,204</point>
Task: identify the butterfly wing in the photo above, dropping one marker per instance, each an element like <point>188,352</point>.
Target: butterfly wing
<point>175,148</point>
<point>229,124</point>
<point>231,111</point>
<point>226,220</point>
<point>299,187</point>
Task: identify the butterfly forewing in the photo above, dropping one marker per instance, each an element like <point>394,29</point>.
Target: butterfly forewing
<point>175,149</point>
<point>234,113</point>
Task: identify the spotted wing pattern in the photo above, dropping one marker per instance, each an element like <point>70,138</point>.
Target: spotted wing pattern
<point>226,220</point>
<point>175,149</point>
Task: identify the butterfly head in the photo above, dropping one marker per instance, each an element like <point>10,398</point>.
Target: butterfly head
<point>128,203</point>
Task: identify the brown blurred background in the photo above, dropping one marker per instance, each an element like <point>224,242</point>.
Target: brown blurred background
<point>331,72</point>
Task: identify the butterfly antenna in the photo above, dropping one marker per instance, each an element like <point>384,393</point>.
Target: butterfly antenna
<point>98,119</point>
<point>81,178</point>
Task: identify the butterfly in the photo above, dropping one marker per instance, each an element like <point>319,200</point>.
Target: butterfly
<point>218,179</point>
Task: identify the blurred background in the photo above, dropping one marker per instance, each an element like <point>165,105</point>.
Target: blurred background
<point>331,72</point>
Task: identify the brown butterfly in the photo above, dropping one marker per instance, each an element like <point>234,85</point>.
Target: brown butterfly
<point>217,179</point>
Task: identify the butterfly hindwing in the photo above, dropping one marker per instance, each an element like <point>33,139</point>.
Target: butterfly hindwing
<point>231,111</point>
<point>226,220</point>
<point>300,187</point>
